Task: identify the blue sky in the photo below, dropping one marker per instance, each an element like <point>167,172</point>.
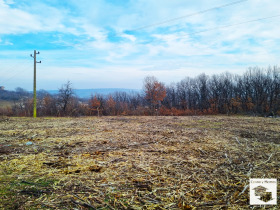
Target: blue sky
<point>108,44</point>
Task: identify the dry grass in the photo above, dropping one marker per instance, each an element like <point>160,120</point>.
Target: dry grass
<point>135,162</point>
<point>5,104</point>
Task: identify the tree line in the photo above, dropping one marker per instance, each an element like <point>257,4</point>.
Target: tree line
<point>256,92</point>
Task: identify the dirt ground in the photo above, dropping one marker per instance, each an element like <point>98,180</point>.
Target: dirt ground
<point>197,162</point>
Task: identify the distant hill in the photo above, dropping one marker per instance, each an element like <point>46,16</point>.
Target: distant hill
<point>86,93</point>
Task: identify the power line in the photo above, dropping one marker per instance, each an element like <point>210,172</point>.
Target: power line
<point>14,75</point>
<point>189,15</point>
<point>235,24</point>
<point>227,26</point>
<point>10,70</point>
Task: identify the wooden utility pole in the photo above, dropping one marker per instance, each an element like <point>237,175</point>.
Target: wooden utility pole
<point>34,84</point>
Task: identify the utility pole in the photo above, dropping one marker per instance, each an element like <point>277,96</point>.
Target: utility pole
<point>34,84</point>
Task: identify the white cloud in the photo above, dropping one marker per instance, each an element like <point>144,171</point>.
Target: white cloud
<point>5,42</point>
<point>85,31</point>
<point>9,1</point>
<point>34,18</point>
<point>13,21</point>
<point>129,37</point>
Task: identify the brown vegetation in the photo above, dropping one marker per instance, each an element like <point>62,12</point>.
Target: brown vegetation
<point>201,162</point>
<point>256,92</point>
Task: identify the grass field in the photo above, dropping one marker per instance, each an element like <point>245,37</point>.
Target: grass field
<point>198,162</point>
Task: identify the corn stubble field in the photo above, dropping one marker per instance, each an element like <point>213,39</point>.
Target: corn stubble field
<point>196,162</point>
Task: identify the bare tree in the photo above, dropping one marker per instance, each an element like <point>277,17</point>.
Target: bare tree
<point>65,95</point>
<point>256,92</point>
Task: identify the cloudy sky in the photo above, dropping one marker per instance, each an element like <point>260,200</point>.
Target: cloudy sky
<point>116,43</point>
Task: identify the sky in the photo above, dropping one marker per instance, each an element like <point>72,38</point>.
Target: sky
<point>116,43</point>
